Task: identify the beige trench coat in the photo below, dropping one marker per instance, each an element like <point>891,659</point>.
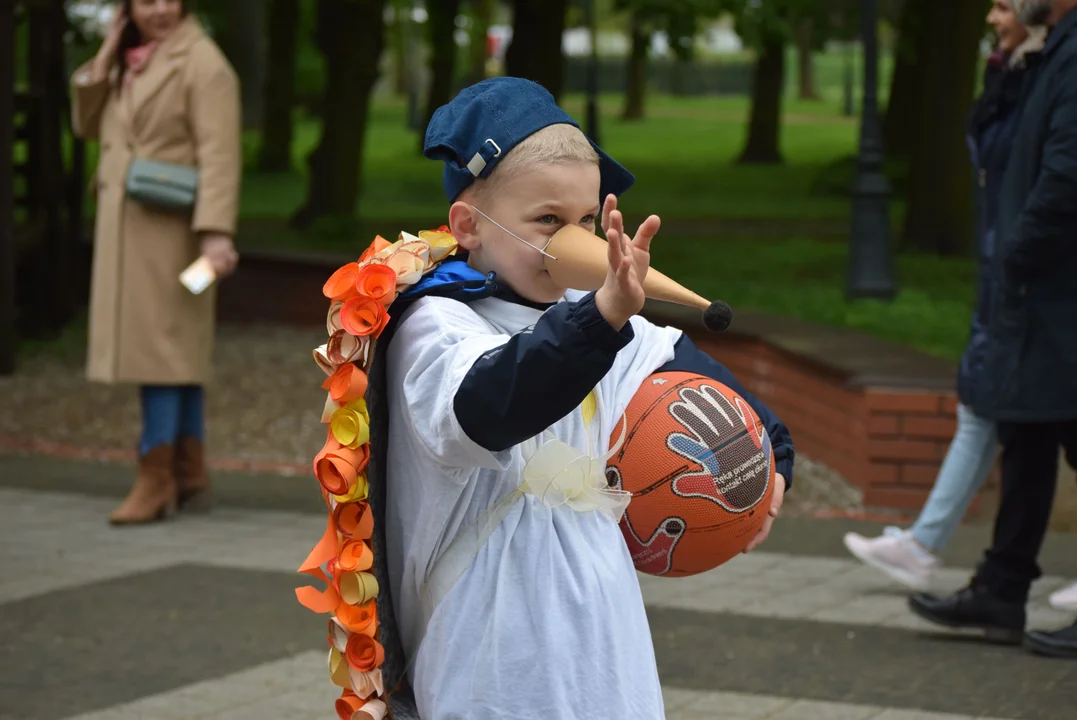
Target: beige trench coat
<point>145,327</point>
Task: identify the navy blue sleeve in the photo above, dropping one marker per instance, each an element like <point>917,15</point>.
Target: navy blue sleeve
<point>1044,233</point>
<point>539,376</point>
<point>689,358</point>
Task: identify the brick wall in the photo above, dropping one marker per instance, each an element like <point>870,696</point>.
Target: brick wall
<point>889,442</point>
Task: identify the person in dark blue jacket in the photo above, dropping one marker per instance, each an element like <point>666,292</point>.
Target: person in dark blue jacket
<point>911,556</point>
<point>1029,384</point>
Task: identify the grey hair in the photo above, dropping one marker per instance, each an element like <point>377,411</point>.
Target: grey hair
<point>1032,13</point>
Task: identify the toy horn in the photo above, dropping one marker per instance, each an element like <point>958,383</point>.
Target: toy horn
<point>578,259</point>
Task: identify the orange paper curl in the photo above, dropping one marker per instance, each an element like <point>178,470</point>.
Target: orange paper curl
<point>362,316</point>
<point>364,653</point>
<point>341,284</point>
<point>346,384</point>
<point>337,468</point>
<point>355,555</point>
<point>354,520</point>
<point>377,282</point>
<point>348,703</point>
<point>362,619</point>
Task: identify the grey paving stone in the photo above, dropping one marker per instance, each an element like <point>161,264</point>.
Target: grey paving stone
<point>815,710</point>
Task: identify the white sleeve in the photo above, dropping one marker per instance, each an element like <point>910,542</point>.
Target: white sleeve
<point>430,353</point>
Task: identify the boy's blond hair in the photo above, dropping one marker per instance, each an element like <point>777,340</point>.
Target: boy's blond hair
<point>552,145</point>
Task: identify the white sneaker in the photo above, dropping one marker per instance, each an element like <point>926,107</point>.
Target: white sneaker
<point>1064,599</point>
<point>897,555</point>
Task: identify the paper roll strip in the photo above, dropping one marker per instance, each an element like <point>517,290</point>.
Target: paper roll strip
<point>359,294</point>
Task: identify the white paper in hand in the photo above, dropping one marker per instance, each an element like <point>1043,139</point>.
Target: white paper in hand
<point>198,276</point>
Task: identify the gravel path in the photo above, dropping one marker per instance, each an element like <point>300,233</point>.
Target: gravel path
<point>263,407</point>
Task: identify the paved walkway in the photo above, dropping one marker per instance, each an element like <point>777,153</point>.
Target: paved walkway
<point>195,618</point>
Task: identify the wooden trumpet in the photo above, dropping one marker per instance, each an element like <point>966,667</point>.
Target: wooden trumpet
<point>579,260</point>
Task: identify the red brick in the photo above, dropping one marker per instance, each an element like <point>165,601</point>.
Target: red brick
<point>936,428</point>
<point>894,498</point>
<point>904,450</point>
<point>880,424</point>
<point>919,475</point>
<point>883,473</point>
<point>902,402</point>
<point>949,404</point>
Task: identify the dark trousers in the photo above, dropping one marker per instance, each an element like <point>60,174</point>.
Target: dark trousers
<point>1029,475</point>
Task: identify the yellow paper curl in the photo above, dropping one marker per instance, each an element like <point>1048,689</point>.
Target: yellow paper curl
<point>357,588</point>
<point>351,424</point>
<point>358,491</point>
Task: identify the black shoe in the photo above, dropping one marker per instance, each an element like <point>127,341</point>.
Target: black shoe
<point>974,607</point>
<point>1060,643</point>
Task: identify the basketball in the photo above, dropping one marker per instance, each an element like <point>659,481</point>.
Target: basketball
<point>700,468</point>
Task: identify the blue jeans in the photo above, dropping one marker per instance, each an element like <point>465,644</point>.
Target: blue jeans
<point>967,465</point>
<point>169,413</point>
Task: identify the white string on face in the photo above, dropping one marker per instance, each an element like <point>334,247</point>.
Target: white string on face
<point>510,232</point>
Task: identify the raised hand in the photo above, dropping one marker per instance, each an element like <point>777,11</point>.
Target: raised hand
<point>622,296</point>
<point>612,219</point>
<point>106,54</point>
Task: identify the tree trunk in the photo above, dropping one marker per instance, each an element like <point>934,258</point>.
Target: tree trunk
<point>351,35</point>
<point>279,97</point>
<point>398,41</point>
<point>939,216</point>
<point>47,292</point>
<point>8,338</point>
<point>244,44</point>
<point>906,83</point>
<point>442,24</point>
<point>535,50</point>
<point>481,16</point>
<point>768,86</point>
<point>805,63</point>
<point>636,86</point>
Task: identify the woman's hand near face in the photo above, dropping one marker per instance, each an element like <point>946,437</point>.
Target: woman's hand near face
<point>106,54</point>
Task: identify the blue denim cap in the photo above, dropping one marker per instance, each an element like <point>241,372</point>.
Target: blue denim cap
<point>487,120</point>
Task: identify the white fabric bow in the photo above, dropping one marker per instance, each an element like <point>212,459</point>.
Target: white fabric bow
<point>559,474</point>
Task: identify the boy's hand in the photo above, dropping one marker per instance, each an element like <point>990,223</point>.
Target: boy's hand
<point>622,296</point>
<point>775,507</point>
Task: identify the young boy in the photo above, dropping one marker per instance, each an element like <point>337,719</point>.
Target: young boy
<point>507,604</point>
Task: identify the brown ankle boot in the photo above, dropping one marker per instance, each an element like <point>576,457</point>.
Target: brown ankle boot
<point>191,477</point>
<point>153,496</point>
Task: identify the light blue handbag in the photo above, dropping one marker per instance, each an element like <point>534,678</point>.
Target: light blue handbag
<point>162,185</point>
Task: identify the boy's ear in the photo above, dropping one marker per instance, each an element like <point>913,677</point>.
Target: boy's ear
<point>463,223</point>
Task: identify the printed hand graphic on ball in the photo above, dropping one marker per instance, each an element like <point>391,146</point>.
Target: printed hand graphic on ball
<point>718,431</point>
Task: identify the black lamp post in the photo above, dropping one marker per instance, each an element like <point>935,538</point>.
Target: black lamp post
<point>871,273</point>
<point>592,72</point>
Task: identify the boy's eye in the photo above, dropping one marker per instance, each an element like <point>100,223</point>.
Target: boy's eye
<point>587,220</point>
<point>549,220</point>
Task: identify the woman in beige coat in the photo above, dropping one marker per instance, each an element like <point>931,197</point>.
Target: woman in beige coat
<point>159,89</point>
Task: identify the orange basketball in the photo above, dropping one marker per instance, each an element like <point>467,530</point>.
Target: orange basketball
<point>700,468</point>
